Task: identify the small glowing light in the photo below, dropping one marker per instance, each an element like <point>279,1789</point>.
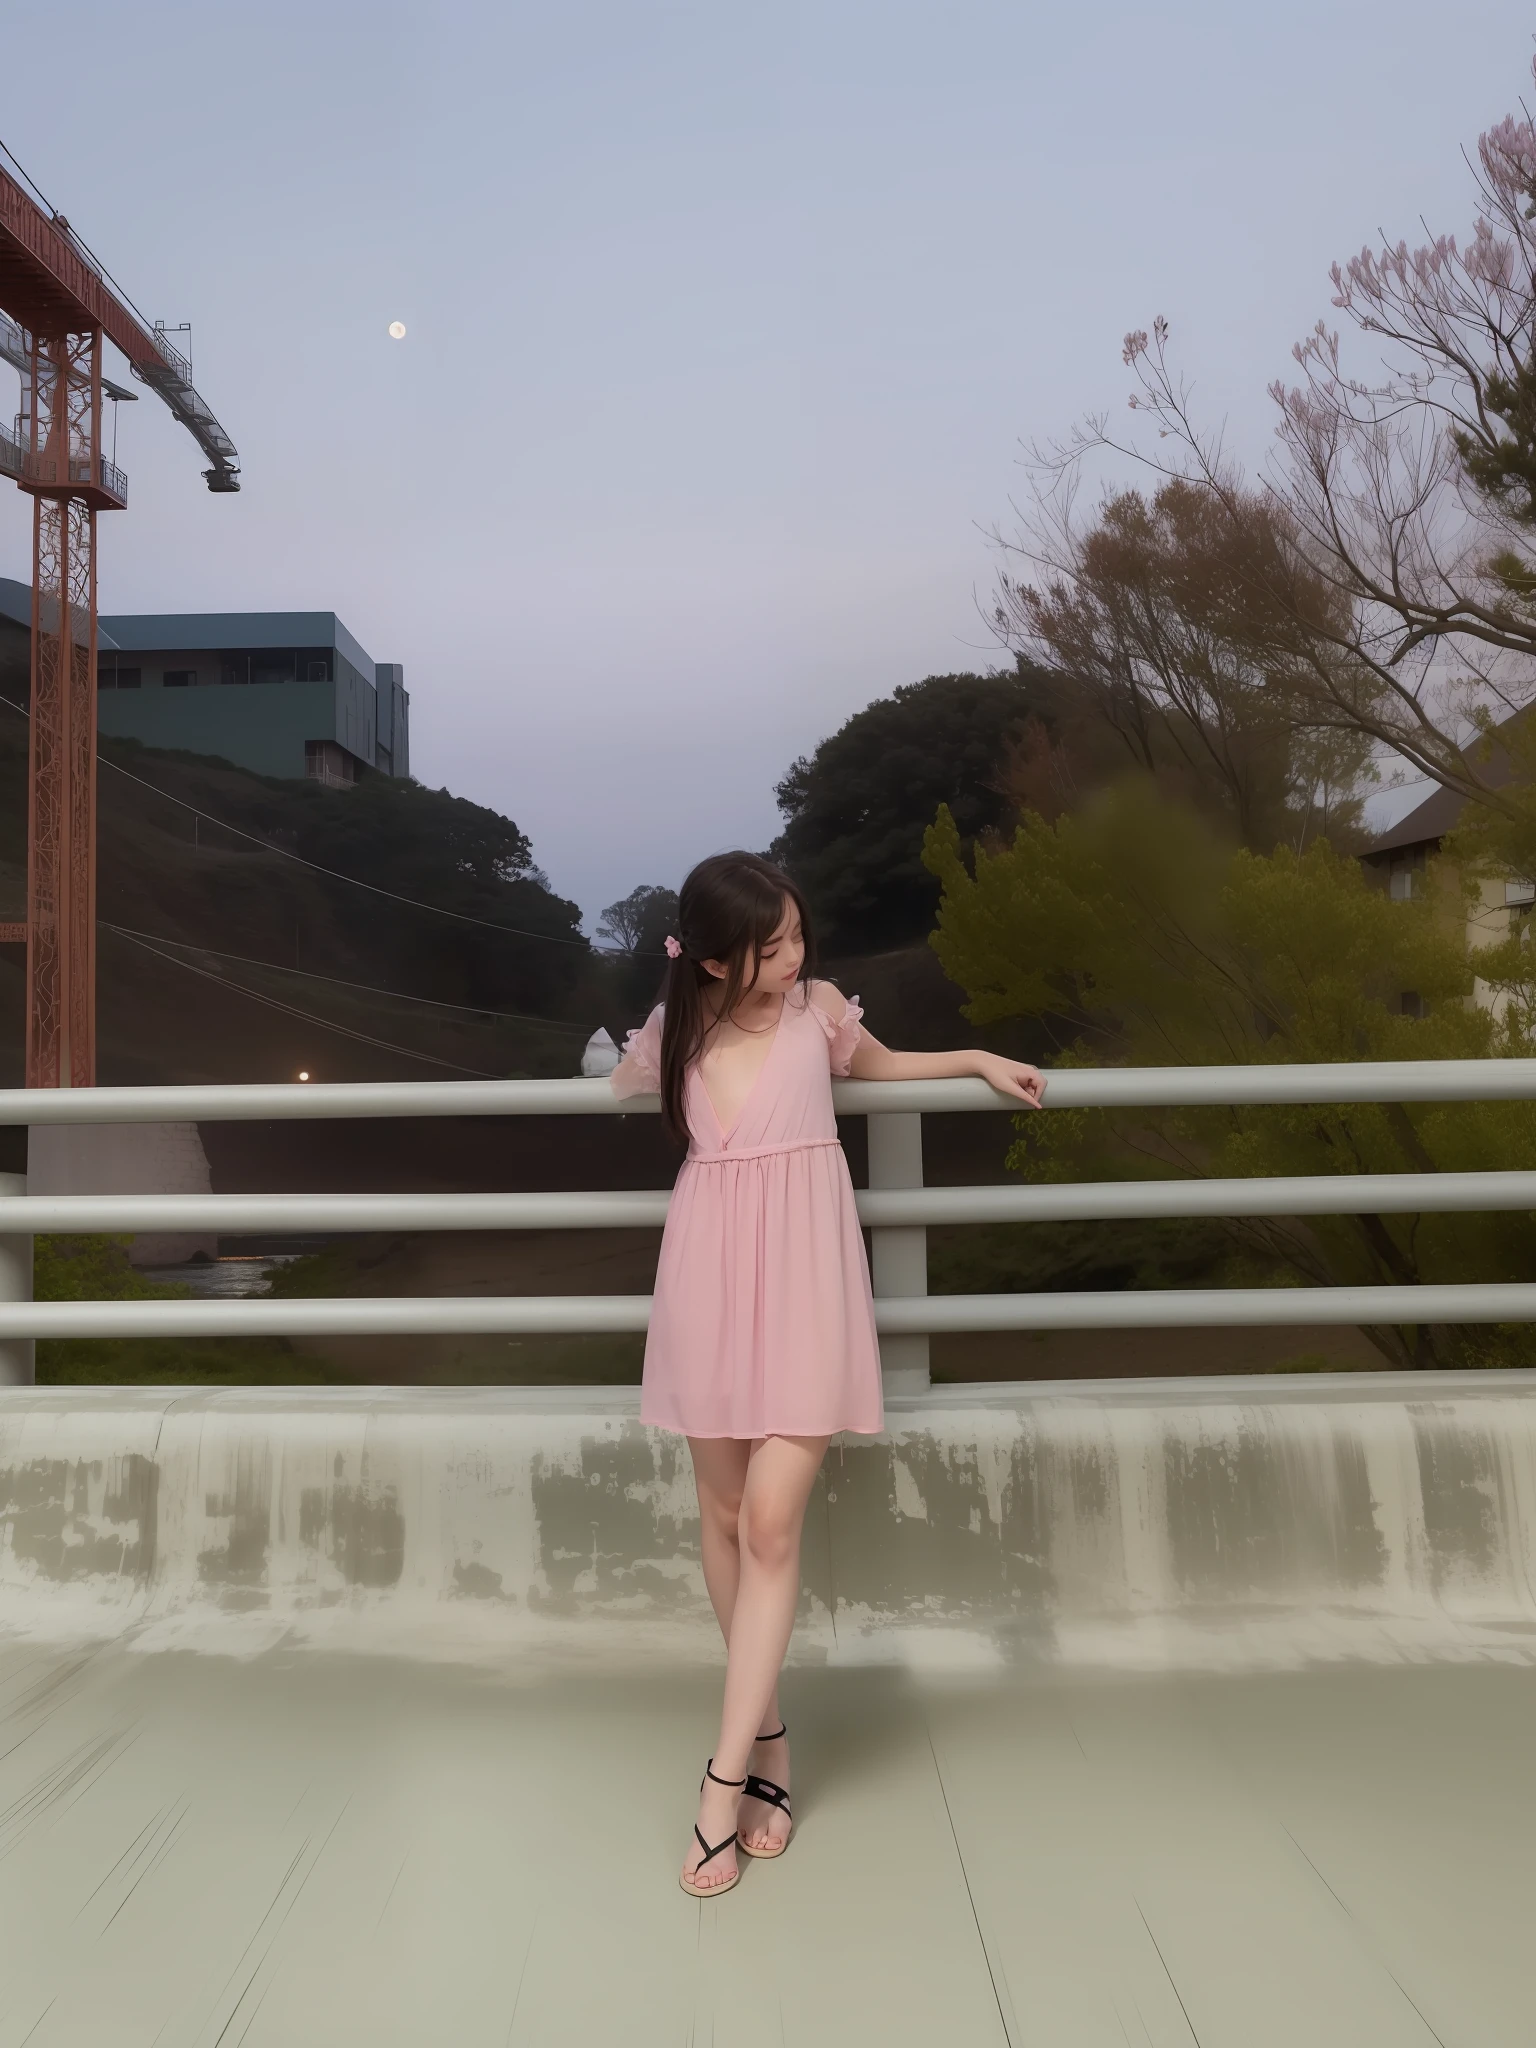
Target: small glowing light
<point>397,330</point>
<point>304,1076</point>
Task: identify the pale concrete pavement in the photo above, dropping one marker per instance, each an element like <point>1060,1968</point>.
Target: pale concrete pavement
<point>304,1849</point>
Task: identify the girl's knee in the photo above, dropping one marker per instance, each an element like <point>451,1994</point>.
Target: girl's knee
<point>722,1512</point>
<point>769,1539</point>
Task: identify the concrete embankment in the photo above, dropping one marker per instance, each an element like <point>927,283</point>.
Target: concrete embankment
<point>1216,1524</point>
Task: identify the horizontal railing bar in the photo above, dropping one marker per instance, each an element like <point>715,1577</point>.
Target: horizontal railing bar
<point>302,1101</point>
<point>1216,1308</point>
<point>1355,1194</point>
<point>879,1208</point>
<point>358,1316</point>
<point>599,1314</point>
<point>309,1215</point>
<point>1069,1088</point>
<point>1214,1087</point>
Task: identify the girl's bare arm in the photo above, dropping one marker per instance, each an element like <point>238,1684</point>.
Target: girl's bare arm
<point>873,1061</point>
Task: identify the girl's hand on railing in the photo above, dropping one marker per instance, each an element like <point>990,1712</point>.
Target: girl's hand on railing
<point>1011,1077</point>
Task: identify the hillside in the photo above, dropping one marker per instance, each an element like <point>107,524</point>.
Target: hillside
<point>210,941</point>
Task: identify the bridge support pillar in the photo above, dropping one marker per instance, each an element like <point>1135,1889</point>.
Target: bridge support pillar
<point>899,1265</point>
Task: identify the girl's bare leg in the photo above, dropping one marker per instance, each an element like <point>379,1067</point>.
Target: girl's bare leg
<point>720,1473</point>
<point>780,1472</point>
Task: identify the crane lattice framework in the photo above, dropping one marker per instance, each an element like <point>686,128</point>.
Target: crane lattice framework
<point>61,308</point>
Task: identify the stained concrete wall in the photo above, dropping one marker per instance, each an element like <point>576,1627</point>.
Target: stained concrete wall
<point>1208,1524</point>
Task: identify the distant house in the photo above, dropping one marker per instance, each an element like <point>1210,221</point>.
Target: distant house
<point>1399,856</point>
<point>290,694</point>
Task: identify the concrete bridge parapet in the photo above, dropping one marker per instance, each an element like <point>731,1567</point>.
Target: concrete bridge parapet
<point>1201,1524</point>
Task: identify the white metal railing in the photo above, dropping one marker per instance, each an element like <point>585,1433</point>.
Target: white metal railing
<point>896,1207</point>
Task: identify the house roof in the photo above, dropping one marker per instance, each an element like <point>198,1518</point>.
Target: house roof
<point>1432,819</point>
<point>1441,810</point>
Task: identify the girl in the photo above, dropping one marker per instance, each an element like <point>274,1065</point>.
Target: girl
<point>762,1338</point>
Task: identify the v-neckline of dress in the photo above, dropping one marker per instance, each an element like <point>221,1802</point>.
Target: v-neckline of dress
<point>727,1135</point>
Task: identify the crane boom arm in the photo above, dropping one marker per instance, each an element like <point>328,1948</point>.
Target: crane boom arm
<point>48,279</point>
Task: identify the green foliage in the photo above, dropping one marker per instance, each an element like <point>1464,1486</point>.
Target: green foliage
<point>1146,940</point>
<point>1046,1258</point>
<point>166,872</point>
<point>93,1269</point>
<point>639,924</point>
<point>854,810</point>
<point>1503,464</point>
<point>330,1271</point>
<point>640,921</point>
<point>1178,628</point>
<point>97,1269</point>
<point>1497,838</point>
<point>179,1362</point>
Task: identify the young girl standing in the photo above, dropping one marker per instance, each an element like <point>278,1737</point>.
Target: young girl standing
<point>762,1338</point>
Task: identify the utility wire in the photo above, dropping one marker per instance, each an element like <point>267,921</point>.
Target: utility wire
<point>335,981</point>
<point>459,916</point>
<point>437,910</point>
<point>305,1016</point>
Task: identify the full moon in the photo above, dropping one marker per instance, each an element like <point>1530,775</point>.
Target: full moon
<point>397,330</point>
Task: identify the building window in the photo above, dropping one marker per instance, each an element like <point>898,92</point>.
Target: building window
<point>1405,875</point>
<point>1411,1003</point>
<point>325,762</point>
<point>119,678</point>
<point>178,678</point>
<point>236,671</point>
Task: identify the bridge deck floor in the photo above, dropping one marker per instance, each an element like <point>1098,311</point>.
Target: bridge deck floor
<point>314,1849</point>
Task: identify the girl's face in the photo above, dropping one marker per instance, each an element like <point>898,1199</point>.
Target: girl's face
<point>778,968</point>
<point>779,963</point>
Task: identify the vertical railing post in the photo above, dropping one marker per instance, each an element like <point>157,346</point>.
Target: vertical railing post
<point>17,1354</point>
<point>899,1264</point>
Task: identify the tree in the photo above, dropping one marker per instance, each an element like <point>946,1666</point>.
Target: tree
<point>1142,938</point>
<point>1157,622</point>
<point>640,921</point>
<point>510,944</point>
<point>1407,489</point>
<point>855,810</point>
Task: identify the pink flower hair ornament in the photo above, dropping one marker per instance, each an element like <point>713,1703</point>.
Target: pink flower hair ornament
<point>674,949</point>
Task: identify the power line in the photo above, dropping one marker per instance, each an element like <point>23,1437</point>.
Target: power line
<point>413,903</point>
<point>365,988</point>
<point>437,910</point>
<point>305,1016</point>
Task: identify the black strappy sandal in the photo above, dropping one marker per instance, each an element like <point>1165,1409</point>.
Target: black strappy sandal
<point>770,1795</point>
<point>712,1891</point>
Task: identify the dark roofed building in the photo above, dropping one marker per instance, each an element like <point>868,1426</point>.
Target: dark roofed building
<point>1401,854</point>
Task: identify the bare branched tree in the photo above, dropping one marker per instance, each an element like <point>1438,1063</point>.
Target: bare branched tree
<point>1159,618</point>
<point>1407,497</point>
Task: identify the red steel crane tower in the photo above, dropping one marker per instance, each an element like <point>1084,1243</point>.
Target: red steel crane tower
<point>56,308</point>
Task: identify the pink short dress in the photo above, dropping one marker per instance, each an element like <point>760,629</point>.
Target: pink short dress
<point>762,1322</point>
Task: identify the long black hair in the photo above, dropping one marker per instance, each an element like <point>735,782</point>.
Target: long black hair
<point>728,909</point>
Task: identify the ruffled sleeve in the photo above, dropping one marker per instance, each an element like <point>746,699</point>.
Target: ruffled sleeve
<point>843,1035</point>
<point>639,1068</point>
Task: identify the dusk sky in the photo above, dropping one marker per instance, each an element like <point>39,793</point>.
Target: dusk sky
<point>723,325</point>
